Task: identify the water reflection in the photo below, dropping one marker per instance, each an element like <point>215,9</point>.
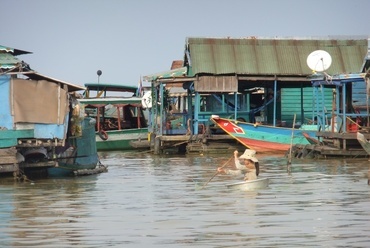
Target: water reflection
<point>44,212</point>
<point>154,201</point>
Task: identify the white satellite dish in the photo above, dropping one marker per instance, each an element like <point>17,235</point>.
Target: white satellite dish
<point>319,60</point>
<point>146,100</point>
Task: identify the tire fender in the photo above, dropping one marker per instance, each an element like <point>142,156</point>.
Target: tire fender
<point>103,134</point>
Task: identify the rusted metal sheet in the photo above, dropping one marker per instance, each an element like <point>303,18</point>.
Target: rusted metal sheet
<point>216,84</point>
<point>256,56</point>
<point>171,74</point>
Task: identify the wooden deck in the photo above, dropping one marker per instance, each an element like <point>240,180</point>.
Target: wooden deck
<point>220,143</point>
<point>332,145</point>
<point>322,151</point>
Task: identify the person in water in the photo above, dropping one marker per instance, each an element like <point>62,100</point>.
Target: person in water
<point>246,164</point>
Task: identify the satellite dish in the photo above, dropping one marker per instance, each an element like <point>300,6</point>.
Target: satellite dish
<point>146,100</point>
<point>319,60</point>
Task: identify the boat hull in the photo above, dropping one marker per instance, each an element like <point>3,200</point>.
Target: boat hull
<point>65,169</point>
<point>81,155</point>
<point>261,183</point>
<point>263,138</point>
<point>363,142</point>
<point>122,139</point>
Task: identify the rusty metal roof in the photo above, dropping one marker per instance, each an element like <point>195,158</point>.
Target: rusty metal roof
<point>8,61</point>
<point>13,51</point>
<point>177,64</point>
<point>175,73</point>
<point>39,76</point>
<point>272,56</point>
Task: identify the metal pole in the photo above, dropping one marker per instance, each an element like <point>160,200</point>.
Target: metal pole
<point>367,100</point>
<point>275,98</point>
<point>161,109</point>
<point>235,105</point>
<point>344,107</point>
<point>196,113</point>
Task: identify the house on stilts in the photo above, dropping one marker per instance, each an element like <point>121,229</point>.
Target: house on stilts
<point>260,80</point>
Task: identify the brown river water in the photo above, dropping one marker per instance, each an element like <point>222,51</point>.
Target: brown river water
<point>158,201</point>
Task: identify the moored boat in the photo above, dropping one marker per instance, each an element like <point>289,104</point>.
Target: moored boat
<point>120,120</point>
<point>262,138</point>
<point>79,154</point>
<point>251,185</point>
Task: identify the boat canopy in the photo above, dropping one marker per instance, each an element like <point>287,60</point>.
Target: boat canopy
<point>117,101</point>
<point>110,87</point>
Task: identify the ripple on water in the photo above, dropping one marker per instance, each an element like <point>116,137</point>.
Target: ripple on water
<point>153,201</point>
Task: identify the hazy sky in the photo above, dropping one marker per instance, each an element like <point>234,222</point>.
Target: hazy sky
<point>126,39</point>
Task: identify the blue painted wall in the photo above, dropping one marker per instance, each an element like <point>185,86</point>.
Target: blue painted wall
<point>359,94</point>
<point>50,131</point>
<point>5,115</point>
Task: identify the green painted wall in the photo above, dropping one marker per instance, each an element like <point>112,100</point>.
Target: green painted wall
<point>291,104</point>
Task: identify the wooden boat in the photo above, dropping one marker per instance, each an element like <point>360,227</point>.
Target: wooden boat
<point>310,139</point>
<point>364,142</point>
<point>260,183</point>
<point>263,138</point>
<point>120,120</point>
<point>79,154</point>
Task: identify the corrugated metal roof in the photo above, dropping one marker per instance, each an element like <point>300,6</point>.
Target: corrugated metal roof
<point>274,56</point>
<point>13,51</point>
<point>177,64</point>
<point>175,73</point>
<point>8,61</point>
<point>38,76</point>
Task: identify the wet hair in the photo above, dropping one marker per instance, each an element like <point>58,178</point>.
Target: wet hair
<point>257,165</point>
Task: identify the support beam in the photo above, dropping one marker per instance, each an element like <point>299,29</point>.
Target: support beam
<point>196,112</point>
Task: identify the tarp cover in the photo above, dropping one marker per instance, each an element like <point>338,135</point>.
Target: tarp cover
<point>38,101</point>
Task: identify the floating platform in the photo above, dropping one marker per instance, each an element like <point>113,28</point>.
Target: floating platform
<point>86,172</point>
<point>331,145</point>
<point>323,151</point>
<point>214,147</point>
<point>8,160</point>
<point>195,144</point>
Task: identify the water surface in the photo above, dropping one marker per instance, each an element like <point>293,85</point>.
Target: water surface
<point>154,201</point>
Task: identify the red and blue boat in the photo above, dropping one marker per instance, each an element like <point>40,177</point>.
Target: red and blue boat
<point>263,138</point>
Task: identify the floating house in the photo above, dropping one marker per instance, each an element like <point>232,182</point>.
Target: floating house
<point>251,79</point>
<point>41,125</point>
<point>339,117</point>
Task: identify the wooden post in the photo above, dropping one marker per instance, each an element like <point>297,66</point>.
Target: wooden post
<point>98,118</point>
<point>138,109</point>
<point>119,118</point>
<point>235,105</point>
<point>291,145</point>
<point>157,144</point>
<point>161,109</point>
